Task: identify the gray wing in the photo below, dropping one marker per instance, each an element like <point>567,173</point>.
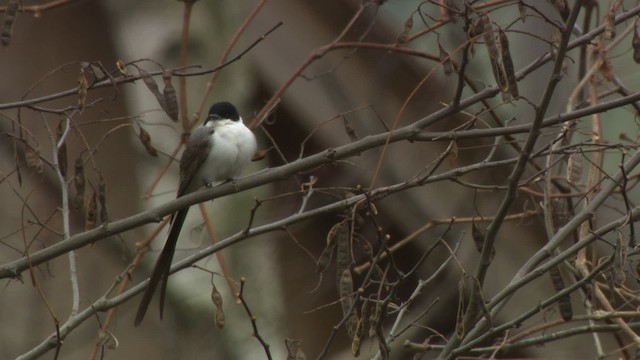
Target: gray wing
<point>193,156</point>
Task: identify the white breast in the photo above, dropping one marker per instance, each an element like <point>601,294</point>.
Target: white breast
<point>233,147</point>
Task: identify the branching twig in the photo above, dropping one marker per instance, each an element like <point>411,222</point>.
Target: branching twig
<point>253,319</point>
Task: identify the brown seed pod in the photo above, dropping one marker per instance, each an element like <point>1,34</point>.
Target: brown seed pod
<point>152,86</point>
<point>145,139</point>
<point>510,88</point>
<point>404,35</point>
<point>90,221</point>
<point>170,103</point>
<point>79,182</point>
<point>102,199</point>
<point>635,43</point>
<point>564,303</point>
<point>32,157</point>
<point>83,85</point>
<point>6,29</point>
<point>216,298</point>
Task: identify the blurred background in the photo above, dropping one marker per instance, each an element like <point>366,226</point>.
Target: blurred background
<point>362,90</point>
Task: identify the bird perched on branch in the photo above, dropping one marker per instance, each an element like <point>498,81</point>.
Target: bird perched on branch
<point>217,151</point>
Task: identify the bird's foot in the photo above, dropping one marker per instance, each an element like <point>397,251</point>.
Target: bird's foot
<point>233,183</point>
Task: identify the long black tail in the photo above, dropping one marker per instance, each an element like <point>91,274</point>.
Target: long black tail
<point>162,268</point>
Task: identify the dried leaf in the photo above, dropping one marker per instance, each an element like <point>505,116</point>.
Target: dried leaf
<point>79,182</point>
<point>62,149</point>
<point>8,19</point>
<point>170,103</point>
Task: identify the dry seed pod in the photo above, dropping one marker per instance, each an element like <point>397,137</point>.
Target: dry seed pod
<point>507,66</point>
<point>349,129</point>
<point>404,35</point>
<point>145,139</point>
<point>619,260</point>
<point>460,313</point>
<point>6,29</point>
<point>562,6</point>
<point>609,23</point>
<point>635,43</point>
<point>62,150</point>
<point>574,169</point>
<point>358,332</point>
<point>523,11</point>
<point>122,68</point>
<point>325,258</point>
<point>90,221</point>
<point>564,303</point>
<point>556,36</point>
<point>107,339</point>
<point>102,199</point>
<point>343,248</point>
<point>346,291</point>
<point>294,349</point>
<point>445,60</point>
<point>151,85</point>
<point>478,236</point>
<point>170,103</point>
<point>492,46</point>
<point>447,12</point>
<point>79,182</point>
<point>32,156</point>
<point>83,85</point>
<point>216,298</point>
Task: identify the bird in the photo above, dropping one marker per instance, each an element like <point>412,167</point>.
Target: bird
<point>216,152</point>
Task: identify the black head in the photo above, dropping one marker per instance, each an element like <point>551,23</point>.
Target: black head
<point>223,110</point>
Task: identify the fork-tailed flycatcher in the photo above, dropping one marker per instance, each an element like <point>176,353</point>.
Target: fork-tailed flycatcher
<point>216,152</point>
